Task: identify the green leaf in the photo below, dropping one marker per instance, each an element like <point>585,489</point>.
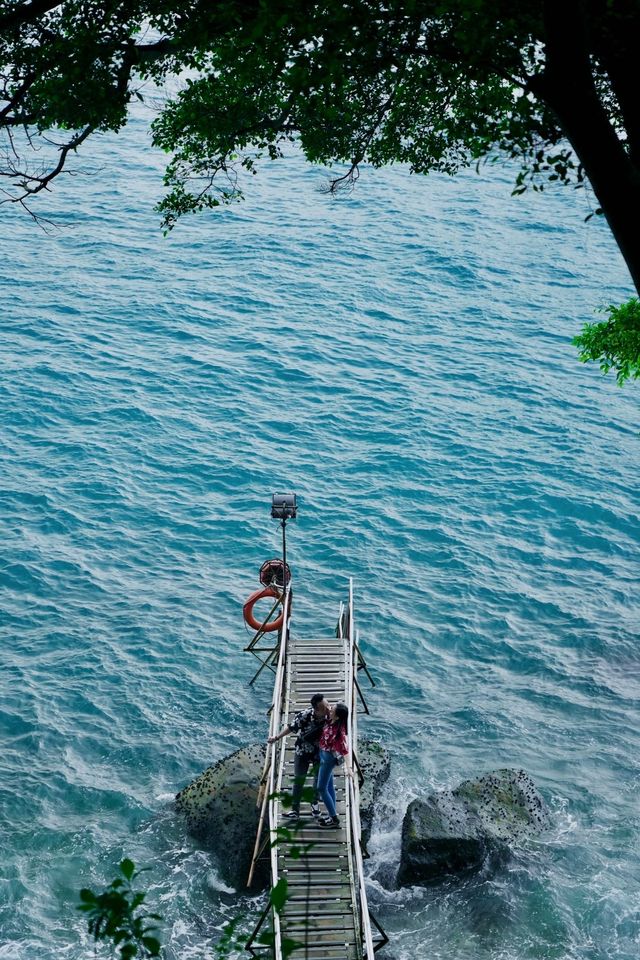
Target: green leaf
<point>288,946</point>
<point>152,944</point>
<point>615,343</point>
<point>279,893</point>
<point>128,868</point>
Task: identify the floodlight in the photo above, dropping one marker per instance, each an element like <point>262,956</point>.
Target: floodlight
<point>283,506</point>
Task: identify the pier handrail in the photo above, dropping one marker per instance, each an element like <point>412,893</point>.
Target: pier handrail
<point>352,783</point>
<point>276,782</point>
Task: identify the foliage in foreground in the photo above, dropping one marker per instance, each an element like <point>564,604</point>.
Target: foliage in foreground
<point>115,916</point>
<point>614,343</point>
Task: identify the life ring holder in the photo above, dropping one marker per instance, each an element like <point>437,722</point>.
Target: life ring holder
<point>273,573</point>
<point>267,626</point>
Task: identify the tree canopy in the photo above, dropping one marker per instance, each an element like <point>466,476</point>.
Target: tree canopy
<point>436,84</point>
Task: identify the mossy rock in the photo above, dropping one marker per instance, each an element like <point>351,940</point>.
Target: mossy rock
<point>454,831</point>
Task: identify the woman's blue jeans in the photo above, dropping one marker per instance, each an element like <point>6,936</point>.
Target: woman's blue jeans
<point>326,787</point>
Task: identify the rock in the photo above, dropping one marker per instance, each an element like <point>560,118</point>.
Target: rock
<point>375,765</point>
<point>221,812</point>
<point>455,830</point>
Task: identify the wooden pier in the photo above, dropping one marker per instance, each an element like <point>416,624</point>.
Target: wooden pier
<point>324,910</point>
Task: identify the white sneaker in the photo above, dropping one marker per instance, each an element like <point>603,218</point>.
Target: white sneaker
<point>315,810</point>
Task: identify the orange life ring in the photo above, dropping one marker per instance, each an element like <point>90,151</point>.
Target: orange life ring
<point>247,611</point>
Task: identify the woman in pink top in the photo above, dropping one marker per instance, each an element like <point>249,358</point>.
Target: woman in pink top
<point>334,747</point>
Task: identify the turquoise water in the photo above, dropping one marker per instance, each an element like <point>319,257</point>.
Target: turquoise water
<point>402,359</point>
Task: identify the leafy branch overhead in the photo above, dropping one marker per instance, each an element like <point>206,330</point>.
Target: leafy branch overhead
<point>436,84</point>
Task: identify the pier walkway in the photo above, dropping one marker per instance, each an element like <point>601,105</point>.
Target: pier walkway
<point>318,905</point>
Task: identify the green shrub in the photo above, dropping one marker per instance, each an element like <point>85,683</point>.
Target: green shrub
<point>614,343</point>
<point>115,916</point>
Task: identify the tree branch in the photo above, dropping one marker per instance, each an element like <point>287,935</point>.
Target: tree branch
<point>26,13</point>
<point>149,52</point>
<point>15,100</point>
<point>31,183</point>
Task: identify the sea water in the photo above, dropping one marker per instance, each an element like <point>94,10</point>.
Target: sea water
<point>401,358</point>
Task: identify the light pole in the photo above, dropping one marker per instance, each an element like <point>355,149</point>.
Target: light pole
<point>283,508</point>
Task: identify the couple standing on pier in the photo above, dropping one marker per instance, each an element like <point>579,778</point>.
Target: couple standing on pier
<point>322,744</point>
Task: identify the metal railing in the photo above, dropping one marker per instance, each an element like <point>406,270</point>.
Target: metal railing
<point>275,780</point>
<point>352,785</point>
<point>274,758</point>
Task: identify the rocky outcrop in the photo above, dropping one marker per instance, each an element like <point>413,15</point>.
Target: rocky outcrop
<point>375,765</point>
<point>221,812</point>
<point>455,830</point>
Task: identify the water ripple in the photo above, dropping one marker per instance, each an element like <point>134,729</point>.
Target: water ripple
<point>402,359</point>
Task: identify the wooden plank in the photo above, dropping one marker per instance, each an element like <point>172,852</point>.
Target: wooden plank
<point>322,859</point>
<point>317,876</point>
<point>320,658</point>
<point>301,683</point>
<point>309,643</point>
<point>339,864</point>
<point>347,952</point>
<point>315,670</point>
<point>302,687</point>
<point>331,939</point>
<point>316,653</point>
<point>336,924</point>
<point>315,935</point>
<point>329,678</point>
<point>310,650</point>
<point>341,917</point>
<point>325,892</point>
<point>316,897</point>
<point>325,658</point>
<point>326,934</point>
<point>316,675</point>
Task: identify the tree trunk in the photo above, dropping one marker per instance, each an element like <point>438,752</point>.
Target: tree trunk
<point>567,87</point>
